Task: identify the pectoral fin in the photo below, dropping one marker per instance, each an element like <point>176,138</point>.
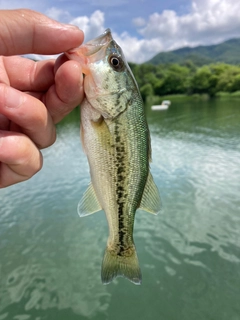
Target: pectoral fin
<point>89,203</point>
<point>151,201</point>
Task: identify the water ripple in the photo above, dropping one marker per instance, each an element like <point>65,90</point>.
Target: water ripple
<point>189,254</point>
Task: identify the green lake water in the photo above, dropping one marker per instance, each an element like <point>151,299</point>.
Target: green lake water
<point>50,259</point>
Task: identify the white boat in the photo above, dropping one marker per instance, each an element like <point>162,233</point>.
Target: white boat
<point>164,106</point>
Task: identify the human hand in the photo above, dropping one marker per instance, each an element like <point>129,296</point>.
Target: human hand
<point>34,96</point>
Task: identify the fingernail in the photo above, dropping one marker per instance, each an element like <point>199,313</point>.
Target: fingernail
<point>71,26</point>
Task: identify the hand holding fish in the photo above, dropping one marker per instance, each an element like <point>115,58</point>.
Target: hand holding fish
<point>34,96</point>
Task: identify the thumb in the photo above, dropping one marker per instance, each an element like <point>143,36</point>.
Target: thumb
<point>26,31</point>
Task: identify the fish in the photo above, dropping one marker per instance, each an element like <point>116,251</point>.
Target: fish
<point>115,137</point>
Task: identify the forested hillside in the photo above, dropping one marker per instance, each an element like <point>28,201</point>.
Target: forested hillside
<point>204,69</point>
<point>227,52</point>
<point>166,79</point>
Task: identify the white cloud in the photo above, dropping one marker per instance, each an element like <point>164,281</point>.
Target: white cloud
<point>209,22</point>
<point>92,26</point>
<point>139,22</point>
<point>58,14</point>
<point>136,50</point>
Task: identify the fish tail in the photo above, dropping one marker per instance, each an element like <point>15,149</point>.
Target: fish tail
<point>114,265</point>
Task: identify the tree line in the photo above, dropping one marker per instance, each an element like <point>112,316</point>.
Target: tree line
<point>167,79</point>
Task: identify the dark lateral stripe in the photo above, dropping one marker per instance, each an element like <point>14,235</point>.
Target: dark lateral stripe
<point>121,196</point>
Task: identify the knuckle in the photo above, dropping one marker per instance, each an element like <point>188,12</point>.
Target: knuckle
<point>20,160</point>
<point>30,159</point>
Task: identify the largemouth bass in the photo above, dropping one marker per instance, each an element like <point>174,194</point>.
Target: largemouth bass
<point>115,138</point>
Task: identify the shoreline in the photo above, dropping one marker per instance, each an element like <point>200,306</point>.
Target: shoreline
<point>199,97</point>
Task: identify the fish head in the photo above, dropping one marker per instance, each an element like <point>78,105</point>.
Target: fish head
<point>109,84</point>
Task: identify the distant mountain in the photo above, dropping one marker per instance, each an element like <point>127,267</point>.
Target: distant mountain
<point>228,52</point>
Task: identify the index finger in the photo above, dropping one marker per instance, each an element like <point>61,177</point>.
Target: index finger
<point>26,31</point>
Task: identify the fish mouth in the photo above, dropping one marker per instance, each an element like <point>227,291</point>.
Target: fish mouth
<point>92,46</point>
<point>98,43</point>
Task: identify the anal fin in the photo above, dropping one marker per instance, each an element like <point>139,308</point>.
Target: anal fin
<point>89,203</point>
<point>151,201</point>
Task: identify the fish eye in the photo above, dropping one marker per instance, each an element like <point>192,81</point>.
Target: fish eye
<point>116,62</point>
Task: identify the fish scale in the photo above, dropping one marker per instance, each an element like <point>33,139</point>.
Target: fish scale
<point>116,140</point>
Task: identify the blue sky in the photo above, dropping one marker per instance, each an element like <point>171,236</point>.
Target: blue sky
<point>145,27</point>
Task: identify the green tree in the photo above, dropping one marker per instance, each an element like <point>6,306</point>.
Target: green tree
<point>228,80</point>
<point>236,83</point>
<point>204,81</point>
<point>166,79</point>
<point>146,90</point>
<point>174,80</point>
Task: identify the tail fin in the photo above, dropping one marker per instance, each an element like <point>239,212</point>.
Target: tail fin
<point>114,266</point>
